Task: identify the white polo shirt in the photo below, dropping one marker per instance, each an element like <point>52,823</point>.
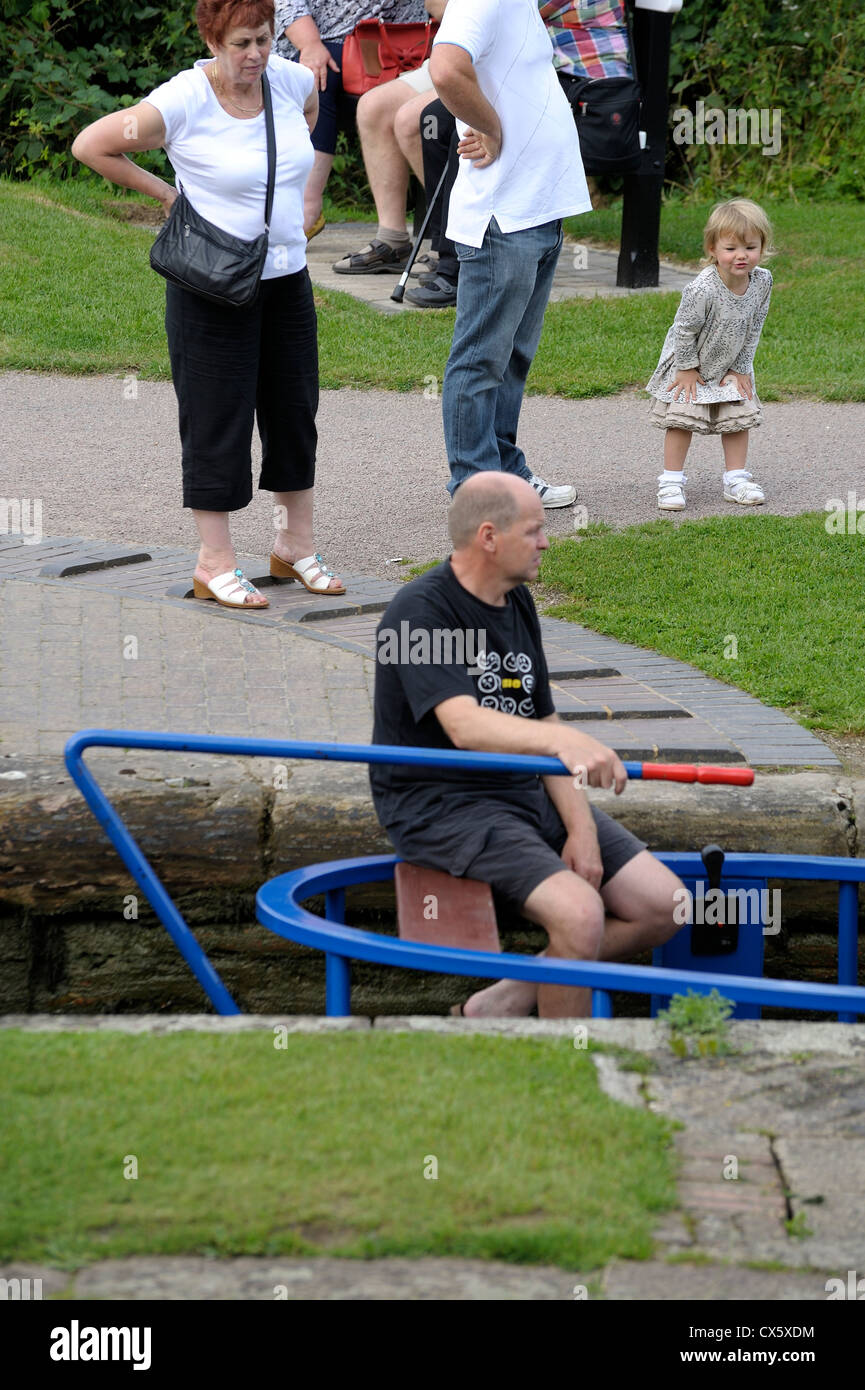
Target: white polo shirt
<point>538,176</point>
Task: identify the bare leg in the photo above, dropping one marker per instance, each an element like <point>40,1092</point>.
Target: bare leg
<point>406,128</point>
<point>572,914</point>
<point>735,450</point>
<point>640,901</point>
<point>676,445</point>
<point>314,190</point>
<point>386,167</point>
<point>293,519</point>
<point>216,554</point>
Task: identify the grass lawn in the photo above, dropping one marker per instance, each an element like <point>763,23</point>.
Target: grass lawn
<point>788,592</point>
<point>244,1148</point>
<point>79,296</point>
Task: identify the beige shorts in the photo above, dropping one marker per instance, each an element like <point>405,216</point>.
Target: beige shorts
<point>419,80</point>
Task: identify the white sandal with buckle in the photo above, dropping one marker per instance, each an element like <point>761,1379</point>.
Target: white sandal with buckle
<point>229,589</point>
<point>312,573</point>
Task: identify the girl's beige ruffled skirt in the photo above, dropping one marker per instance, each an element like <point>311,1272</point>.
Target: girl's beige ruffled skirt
<point>724,417</point>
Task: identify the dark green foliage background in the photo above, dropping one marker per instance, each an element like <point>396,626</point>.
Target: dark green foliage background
<point>65,62</point>
<point>805,58</point>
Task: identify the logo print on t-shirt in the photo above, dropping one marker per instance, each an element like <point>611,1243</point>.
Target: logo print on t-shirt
<point>519,680</point>
<point>488,661</point>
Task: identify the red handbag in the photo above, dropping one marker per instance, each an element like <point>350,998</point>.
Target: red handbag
<point>376,52</point>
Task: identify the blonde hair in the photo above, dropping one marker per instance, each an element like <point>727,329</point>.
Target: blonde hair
<point>739,216</point>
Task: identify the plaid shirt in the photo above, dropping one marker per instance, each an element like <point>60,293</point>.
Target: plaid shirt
<point>590,37</point>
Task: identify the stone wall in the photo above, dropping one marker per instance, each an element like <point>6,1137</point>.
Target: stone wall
<point>215,830</point>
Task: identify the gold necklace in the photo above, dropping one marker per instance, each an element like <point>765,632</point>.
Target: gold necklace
<point>223,95</point>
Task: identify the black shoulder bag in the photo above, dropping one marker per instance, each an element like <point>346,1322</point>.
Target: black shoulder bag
<point>193,253</point>
<point>607,115</point>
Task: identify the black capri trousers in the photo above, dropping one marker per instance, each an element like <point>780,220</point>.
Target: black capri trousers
<point>230,366</point>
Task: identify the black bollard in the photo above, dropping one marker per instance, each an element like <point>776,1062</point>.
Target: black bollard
<point>638,266</point>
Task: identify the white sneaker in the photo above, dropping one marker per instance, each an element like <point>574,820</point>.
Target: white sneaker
<point>671,496</point>
<point>553,496</point>
<point>745,491</point>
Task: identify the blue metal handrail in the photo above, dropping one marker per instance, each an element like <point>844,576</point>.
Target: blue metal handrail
<point>278,906</point>
<point>341,943</point>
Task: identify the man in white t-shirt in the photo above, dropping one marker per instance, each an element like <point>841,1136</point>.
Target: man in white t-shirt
<point>520,174</point>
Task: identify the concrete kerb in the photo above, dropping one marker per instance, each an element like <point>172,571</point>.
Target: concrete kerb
<point>770,1037</point>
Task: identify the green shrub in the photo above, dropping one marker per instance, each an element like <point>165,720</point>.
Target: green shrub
<point>802,59</point>
<point>66,62</point>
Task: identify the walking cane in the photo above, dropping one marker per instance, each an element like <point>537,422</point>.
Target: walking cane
<point>399,291</point>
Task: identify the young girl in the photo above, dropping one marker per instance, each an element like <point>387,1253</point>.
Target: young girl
<point>704,382</point>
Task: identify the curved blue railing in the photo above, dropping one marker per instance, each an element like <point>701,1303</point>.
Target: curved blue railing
<point>278,902</point>
<point>278,906</point>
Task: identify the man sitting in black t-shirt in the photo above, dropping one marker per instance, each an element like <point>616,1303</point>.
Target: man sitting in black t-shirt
<point>460,665</point>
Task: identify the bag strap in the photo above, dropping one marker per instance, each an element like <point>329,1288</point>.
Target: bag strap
<point>632,54</point>
<point>271,149</point>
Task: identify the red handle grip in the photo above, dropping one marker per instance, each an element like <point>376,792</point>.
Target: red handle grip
<point>687,772</point>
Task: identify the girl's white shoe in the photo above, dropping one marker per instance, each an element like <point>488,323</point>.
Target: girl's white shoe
<point>744,490</point>
<point>671,496</point>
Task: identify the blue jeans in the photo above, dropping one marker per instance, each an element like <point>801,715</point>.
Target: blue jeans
<point>502,293</point>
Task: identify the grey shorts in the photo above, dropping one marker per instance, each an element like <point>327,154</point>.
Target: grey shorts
<point>512,848</point>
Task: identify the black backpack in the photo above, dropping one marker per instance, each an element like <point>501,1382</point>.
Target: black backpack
<point>607,116</point>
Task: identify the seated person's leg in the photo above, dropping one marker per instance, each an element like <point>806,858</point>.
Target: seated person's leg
<point>638,896</point>
<point>448,265</point>
<point>572,914</point>
<point>407,128</point>
<point>439,144</point>
<point>640,902</point>
<point>632,912</point>
<point>519,854</point>
<point>323,142</point>
<point>388,170</point>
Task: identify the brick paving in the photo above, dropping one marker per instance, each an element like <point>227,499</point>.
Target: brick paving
<point>95,634</point>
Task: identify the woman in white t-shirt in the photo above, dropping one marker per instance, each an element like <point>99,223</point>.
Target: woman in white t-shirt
<point>233,365</point>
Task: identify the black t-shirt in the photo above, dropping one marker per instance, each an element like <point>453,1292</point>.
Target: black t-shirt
<point>435,641</point>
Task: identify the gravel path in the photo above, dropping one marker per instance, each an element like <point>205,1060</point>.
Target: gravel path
<point>103,455</point>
